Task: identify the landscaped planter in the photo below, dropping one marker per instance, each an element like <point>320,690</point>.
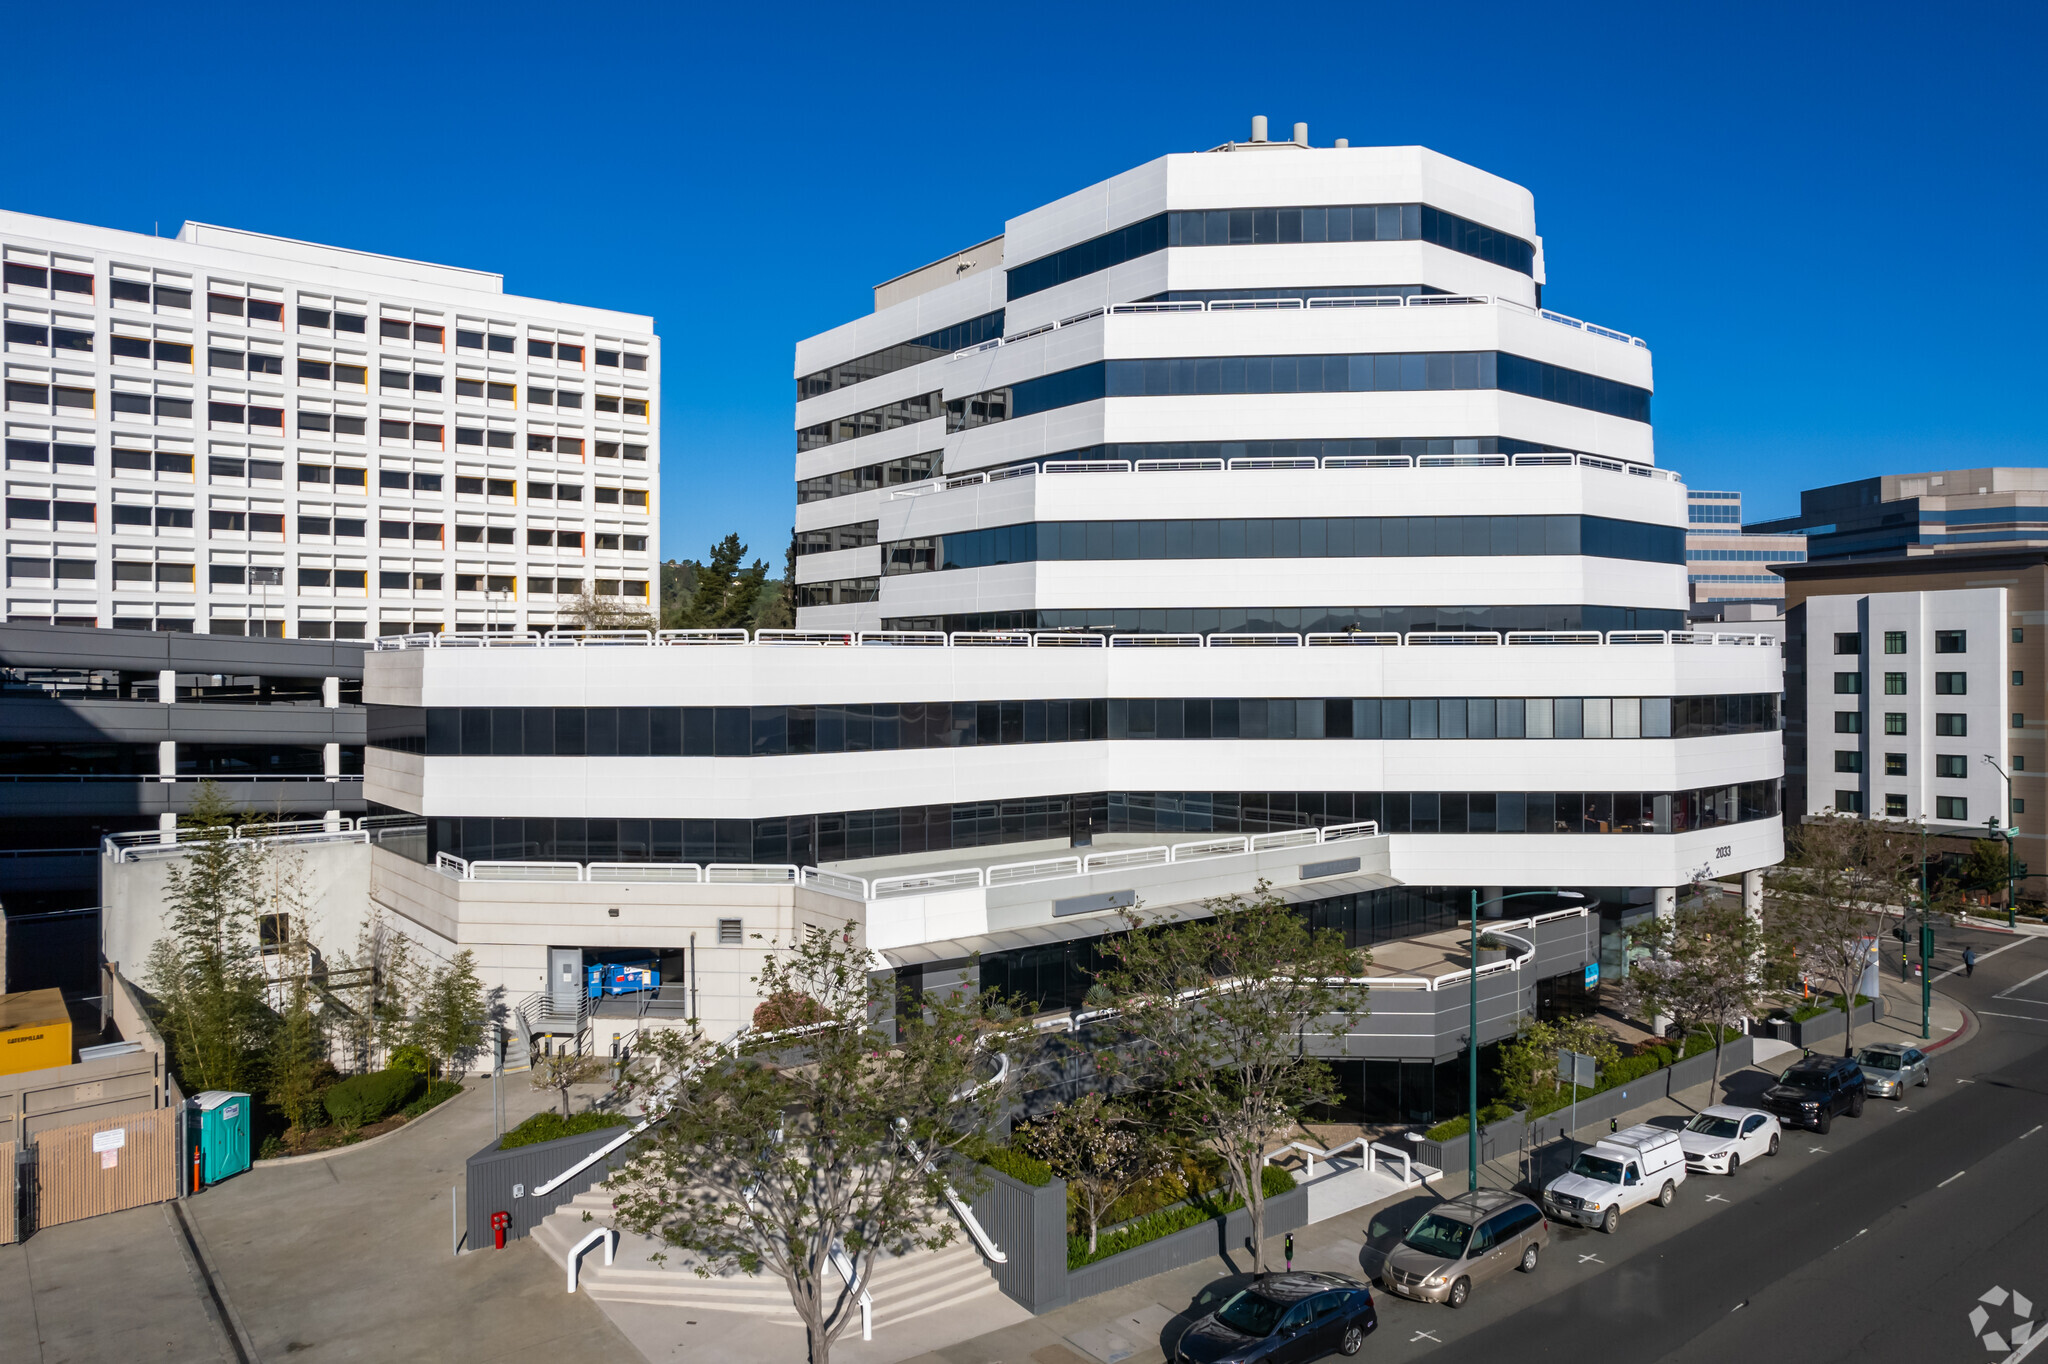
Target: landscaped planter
<point>1825,1026</point>
<point>504,1181</point>
<point>1028,1223</point>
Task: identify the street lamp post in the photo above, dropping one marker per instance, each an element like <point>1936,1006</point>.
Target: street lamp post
<point>1472,1030</point>
<point>2000,827</point>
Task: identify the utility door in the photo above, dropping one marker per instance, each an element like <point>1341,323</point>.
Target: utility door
<point>565,979</point>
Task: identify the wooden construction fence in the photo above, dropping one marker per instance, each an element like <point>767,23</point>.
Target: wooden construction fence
<point>105,1165</point>
<point>8,1230</point>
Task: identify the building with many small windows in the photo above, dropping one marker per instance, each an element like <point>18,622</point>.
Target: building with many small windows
<point>233,433</point>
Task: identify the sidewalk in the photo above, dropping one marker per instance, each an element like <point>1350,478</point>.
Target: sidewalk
<point>350,1254</point>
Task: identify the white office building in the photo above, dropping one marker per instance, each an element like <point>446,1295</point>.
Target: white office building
<point>1319,556</point>
<point>235,433</point>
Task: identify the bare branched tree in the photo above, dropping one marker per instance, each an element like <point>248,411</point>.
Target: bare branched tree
<point>1838,872</point>
<point>814,1150</point>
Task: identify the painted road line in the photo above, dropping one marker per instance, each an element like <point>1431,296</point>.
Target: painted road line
<point>2030,1131</point>
<point>1950,1180</point>
<point>1983,957</point>
<point>2012,990</point>
<point>2024,1018</point>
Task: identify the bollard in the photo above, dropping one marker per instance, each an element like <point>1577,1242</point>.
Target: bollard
<point>195,1170</point>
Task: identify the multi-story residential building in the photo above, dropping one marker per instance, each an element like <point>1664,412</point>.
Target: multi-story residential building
<point>1264,528</point>
<point>1724,566</point>
<point>111,733</point>
<point>1942,512</point>
<point>233,433</point>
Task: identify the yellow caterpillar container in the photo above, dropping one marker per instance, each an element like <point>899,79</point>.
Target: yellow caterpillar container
<point>35,1031</point>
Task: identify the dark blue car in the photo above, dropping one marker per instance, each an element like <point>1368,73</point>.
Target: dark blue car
<point>1281,1319</point>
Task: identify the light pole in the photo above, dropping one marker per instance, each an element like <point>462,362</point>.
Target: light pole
<point>1472,1031</point>
<point>2000,826</point>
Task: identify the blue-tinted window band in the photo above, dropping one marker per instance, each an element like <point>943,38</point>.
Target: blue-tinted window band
<point>931,346</point>
<point>1272,227</point>
<point>1309,537</point>
<point>889,727</point>
<point>1296,620</point>
<point>1231,374</point>
<point>849,835</point>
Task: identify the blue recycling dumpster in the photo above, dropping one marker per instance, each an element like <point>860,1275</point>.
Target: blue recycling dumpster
<point>220,1123</point>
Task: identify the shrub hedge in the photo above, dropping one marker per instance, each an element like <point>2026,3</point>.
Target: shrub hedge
<point>552,1126</point>
<point>436,1093</point>
<point>1273,1181</point>
<point>363,1099</point>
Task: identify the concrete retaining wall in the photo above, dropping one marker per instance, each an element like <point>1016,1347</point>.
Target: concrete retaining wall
<point>1029,1225</point>
<point>493,1175</point>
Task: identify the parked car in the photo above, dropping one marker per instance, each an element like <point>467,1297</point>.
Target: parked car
<point>1721,1137</point>
<point>1636,1165</point>
<point>1814,1089</point>
<point>1464,1242</point>
<point>1282,1319</point>
<point>1889,1067</point>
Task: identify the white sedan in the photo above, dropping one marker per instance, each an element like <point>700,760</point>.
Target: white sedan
<point>1720,1138</point>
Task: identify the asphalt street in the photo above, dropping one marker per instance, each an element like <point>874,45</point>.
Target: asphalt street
<point>1875,1242</point>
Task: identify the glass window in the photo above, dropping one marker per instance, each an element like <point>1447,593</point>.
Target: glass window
<point>1848,760</point>
<point>1848,722</point>
<point>1946,684</point>
<point>1895,765</point>
<point>1895,641</point>
<point>1850,643</point>
<point>1952,641</point>
<point>1895,722</point>
<point>1951,765</point>
<point>1951,726</point>
<point>1848,684</point>
<point>1955,808</point>
<point>1894,684</point>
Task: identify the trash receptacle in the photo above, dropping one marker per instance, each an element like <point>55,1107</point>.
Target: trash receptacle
<point>221,1122</point>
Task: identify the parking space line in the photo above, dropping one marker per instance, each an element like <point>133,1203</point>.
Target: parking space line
<point>2023,1136</point>
<point>2025,1018</point>
<point>1715,1198</point>
<point>1594,1258</point>
<point>1426,1335</point>
<point>1950,1180</point>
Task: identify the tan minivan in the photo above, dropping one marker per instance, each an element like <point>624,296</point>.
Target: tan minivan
<point>1466,1241</point>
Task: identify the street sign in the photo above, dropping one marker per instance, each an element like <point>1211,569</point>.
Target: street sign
<point>1575,1069</point>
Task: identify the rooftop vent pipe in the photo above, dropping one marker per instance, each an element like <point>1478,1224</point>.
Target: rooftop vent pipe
<point>1301,134</point>
<point>1342,143</point>
<point>1258,127</point>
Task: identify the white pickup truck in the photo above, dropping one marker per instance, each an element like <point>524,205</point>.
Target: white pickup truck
<point>1634,1166</point>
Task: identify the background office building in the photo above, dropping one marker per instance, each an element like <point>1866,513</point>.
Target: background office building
<point>1728,570</point>
<point>1262,527</point>
<point>1910,515</point>
<point>232,433</point>
<point>1915,669</point>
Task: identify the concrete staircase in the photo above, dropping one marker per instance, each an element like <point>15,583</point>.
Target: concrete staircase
<point>905,1289</point>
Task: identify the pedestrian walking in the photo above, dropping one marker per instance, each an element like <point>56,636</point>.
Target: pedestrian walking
<point>1969,962</point>
<point>1290,1251</point>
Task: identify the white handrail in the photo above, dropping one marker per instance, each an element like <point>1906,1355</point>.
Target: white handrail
<point>867,1303</point>
<point>604,1234</point>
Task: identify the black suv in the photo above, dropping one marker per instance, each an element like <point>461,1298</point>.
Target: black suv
<point>1816,1088</point>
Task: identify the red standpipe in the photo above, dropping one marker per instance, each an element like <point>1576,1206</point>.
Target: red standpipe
<point>499,1221</point>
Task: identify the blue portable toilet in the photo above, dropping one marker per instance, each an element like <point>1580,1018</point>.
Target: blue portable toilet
<point>220,1124</point>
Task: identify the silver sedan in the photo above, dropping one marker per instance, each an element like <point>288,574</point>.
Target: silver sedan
<point>1889,1067</point>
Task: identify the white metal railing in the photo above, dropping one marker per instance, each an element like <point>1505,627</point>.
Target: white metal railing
<point>1261,464</point>
<point>1157,854</point>
<point>1239,305</point>
<point>908,883</point>
<point>609,1237</point>
<point>1044,869</point>
<point>1076,639</point>
<point>150,844</point>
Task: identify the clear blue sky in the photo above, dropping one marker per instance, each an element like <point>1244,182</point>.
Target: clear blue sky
<point>1827,219</point>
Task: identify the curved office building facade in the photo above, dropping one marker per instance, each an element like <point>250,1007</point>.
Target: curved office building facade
<point>1241,518</point>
